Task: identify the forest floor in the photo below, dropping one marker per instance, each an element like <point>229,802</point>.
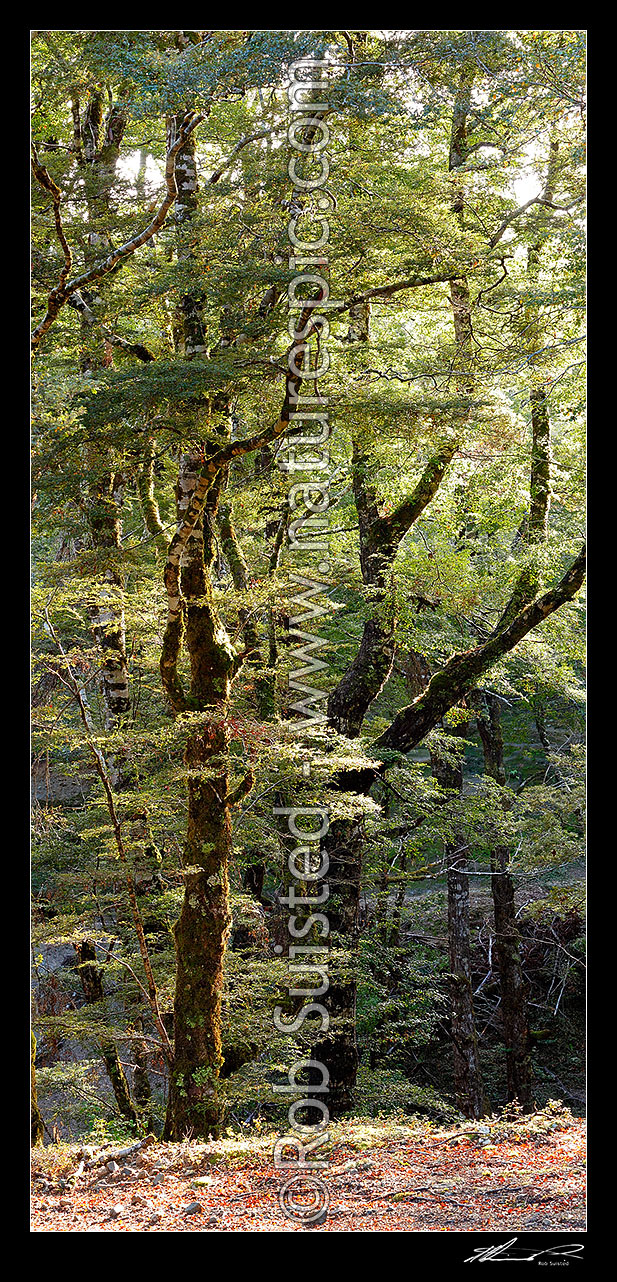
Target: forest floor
<point>526,1175</point>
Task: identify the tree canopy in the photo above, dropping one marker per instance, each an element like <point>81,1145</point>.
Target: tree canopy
<point>236,615</point>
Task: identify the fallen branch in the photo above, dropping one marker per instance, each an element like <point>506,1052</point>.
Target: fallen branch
<point>102,1159</point>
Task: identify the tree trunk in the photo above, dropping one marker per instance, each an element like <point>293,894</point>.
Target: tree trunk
<point>37,1129</point>
<point>467,1076</point>
<point>200,936</point>
<point>92,985</point>
<point>338,1048</point>
<point>467,1073</point>
<point>203,927</point>
<point>448,686</point>
<point>380,537</point>
<point>201,932</point>
<point>142,1093</point>
<point>105,483</point>
<point>147,497</point>
<point>513,987</point>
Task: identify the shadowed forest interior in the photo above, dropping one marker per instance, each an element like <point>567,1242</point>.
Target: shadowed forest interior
<point>375,613</point>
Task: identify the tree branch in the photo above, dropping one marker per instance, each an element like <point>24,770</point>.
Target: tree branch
<point>459,675</point>
<point>59,296</point>
<point>448,686</point>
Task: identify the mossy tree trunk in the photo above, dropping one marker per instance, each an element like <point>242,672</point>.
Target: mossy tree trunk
<point>37,1129</point>
<point>202,929</point>
<point>201,932</point>
<point>459,675</point>
<point>147,495</point>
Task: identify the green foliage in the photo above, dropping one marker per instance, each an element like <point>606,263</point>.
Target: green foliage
<point>100,412</point>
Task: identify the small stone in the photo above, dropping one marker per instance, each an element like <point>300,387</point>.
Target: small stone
<point>155,1219</point>
<point>158,1178</point>
<point>112,1167</point>
<point>192,1209</point>
<point>117,1211</point>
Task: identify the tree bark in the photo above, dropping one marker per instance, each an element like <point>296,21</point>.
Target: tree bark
<point>468,1083</point>
<point>91,979</point>
<point>202,929</point>
<point>380,537</point>
<point>338,1048</point>
<point>37,1130</point>
<point>147,496</point>
<point>142,1093</point>
<point>462,671</point>
<point>512,984</point>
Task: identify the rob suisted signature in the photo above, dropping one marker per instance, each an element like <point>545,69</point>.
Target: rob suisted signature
<point>508,1251</point>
